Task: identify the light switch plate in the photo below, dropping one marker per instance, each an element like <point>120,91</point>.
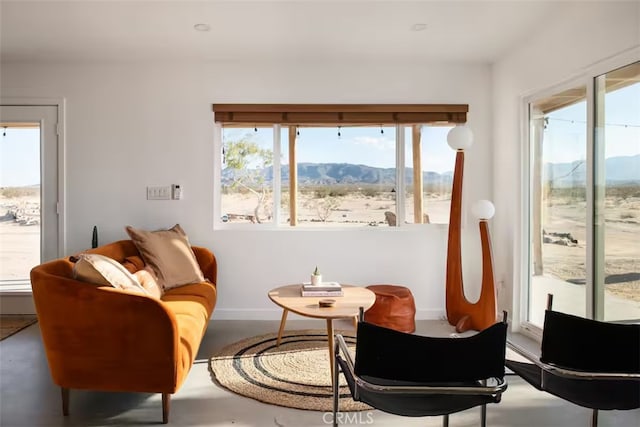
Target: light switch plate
<point>162,192</point>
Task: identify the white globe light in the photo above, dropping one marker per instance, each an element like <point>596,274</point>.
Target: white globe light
<point>460,137</point>
<point>483,209</point>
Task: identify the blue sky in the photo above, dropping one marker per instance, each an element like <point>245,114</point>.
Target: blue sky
<point>19,157</point>
<point>566,134</point>
<point>358,145</point>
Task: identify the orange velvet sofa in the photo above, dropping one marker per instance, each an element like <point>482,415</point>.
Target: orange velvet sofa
<point>103,338</point>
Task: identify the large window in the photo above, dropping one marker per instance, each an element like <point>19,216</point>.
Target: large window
<point>585,198</point>
<point>321,171</point>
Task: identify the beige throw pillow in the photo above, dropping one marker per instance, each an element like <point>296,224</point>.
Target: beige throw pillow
<point>169,254</point>
<point>102,270</point>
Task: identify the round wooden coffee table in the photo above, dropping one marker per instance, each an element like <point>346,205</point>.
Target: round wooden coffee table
<point>346,307</point>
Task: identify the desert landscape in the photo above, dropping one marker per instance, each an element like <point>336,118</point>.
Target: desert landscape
<point>346,209</point>
<point>622,250</point>
<point>19,232</point>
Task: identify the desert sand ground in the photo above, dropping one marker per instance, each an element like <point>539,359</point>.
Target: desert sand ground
<point>621,247</point>
<point>354,210</point>
<point>19,237</point>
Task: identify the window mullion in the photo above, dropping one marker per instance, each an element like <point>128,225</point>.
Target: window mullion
<point>217,172</point>
<point>276,181</point>
<point>594,223</point>
<point>418,190</point>
<point>400,196</point>
<point>293,178</point>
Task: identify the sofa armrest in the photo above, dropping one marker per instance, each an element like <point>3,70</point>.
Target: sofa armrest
<point>104,338</point>
<point>207,261</point>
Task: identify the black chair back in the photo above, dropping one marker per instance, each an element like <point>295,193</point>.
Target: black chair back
<point>589,345</point>
<point>388,354</point>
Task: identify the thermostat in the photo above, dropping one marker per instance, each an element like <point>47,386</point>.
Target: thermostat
<point>177,192</point>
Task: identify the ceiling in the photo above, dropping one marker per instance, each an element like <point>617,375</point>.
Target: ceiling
<point>348,30</point>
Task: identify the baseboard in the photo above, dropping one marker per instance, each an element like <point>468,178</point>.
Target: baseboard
<point>16,303</point>
<point>276,314</point>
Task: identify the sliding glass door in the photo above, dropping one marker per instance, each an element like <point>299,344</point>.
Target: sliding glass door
<point>584,199</point>
<point>617,194</point>
<point>558,215</point>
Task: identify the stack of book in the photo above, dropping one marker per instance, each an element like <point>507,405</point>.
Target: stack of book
<point>325,289</point>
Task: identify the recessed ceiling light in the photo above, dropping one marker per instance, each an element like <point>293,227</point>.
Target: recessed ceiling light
<point>418,27</point>
<point>202,27</point>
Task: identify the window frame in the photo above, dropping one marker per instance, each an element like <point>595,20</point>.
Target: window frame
<point>527,327</point>
<point>522,262</point>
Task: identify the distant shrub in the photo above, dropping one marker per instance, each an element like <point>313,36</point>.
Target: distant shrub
<point>16,192</point>
<point>321,193</point>
<point>323,207</point>
<point>338,192</point>
<point>330,191</point>
<point>284,200</point>
<point>370,192</point>
<point>623,192</point>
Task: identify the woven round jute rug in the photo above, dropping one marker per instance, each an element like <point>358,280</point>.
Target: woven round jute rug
<point>296,374</point>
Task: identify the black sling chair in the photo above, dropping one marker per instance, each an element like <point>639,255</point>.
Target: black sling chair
<point>590,363</point>
<point>418,376</point>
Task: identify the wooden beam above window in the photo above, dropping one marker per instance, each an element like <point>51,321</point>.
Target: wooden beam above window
<point>22,125</point>
<point>562,99</point>
<point>342,114</point>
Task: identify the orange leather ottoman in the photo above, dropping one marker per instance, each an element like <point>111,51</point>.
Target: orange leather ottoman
<point>394,308</point>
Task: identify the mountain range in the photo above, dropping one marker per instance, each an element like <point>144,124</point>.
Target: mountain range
<point>618,170</point>
<point>342,173</point>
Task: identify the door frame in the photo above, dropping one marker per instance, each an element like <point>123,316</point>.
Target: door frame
<point>587,76</point>
<point>59,103</point>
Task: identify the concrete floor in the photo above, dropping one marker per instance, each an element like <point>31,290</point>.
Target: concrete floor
<point>29,398</point>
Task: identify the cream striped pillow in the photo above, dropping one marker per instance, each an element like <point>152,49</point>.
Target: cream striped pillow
<point>105,271</point>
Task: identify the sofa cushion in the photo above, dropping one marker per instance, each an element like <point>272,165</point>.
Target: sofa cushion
<point>169,254</point>
<point>204,292</point>
<point>102,270</point>
<point>191,306</point>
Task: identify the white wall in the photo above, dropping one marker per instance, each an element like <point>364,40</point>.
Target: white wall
<point>578,36</point>
<point>133,125</point>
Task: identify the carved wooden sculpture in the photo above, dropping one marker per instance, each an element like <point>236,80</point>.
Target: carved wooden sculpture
<point>460,312</point>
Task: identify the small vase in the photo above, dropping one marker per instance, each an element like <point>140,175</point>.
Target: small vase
<point>316,279</point>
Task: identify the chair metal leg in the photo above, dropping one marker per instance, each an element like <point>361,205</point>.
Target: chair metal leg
<point>445,420</point>
<point>483,416</point>
<point>594,418</point>
<point>483,410</point>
